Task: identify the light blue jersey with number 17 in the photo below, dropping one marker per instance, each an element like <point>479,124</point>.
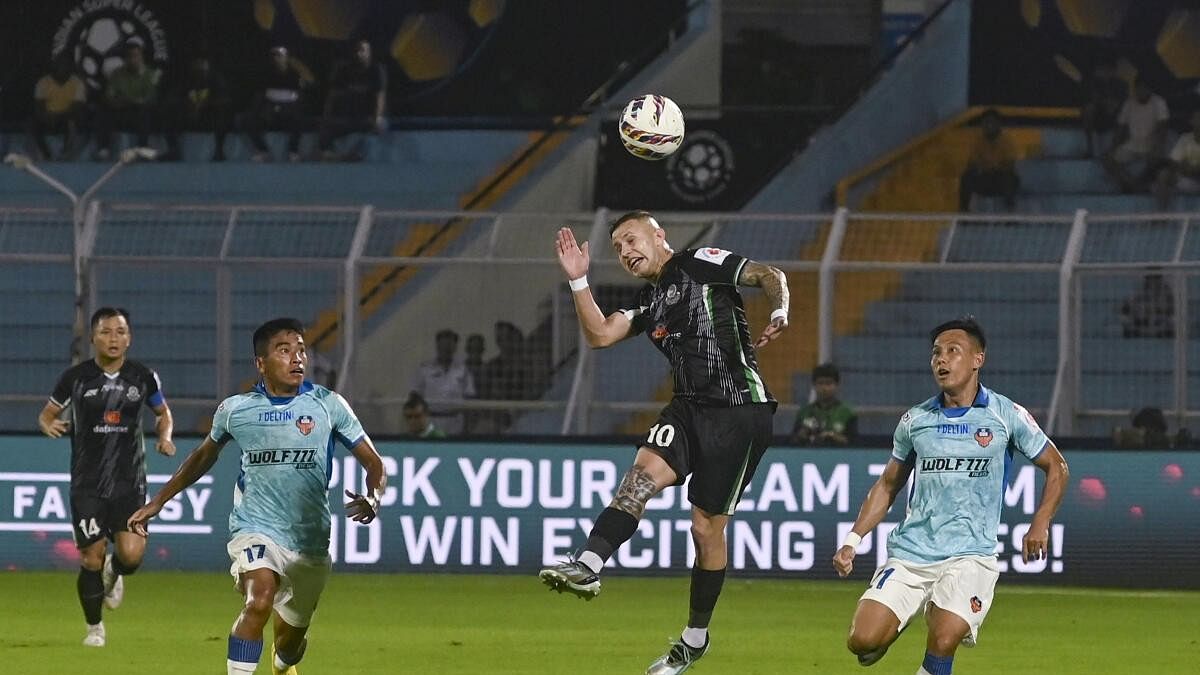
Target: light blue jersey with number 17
<point>287,459</point>
<point>960,459</point>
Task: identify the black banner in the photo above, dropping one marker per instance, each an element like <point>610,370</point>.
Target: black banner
<point>722,163</point>
<point>443,57</point>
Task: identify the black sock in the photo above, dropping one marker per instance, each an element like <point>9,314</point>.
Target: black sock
<point>121,568</point>
<point>613,527</point>
<point>706,588</point>
<point>91,594</point>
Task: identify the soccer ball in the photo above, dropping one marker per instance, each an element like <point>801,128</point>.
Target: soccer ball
<point>651,126</point>
<point>98,50</point>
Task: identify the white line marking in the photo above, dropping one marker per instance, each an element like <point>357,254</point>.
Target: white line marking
<point>155,528</point>
<point>33,476</point>
<point>24,476</point>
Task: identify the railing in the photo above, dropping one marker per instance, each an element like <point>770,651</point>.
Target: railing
<point>375,286</point>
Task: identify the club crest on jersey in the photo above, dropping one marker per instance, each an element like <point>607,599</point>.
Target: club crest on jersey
<point>305,424</point>
<point>712,255</point>
<point>983,436</point>
<point>659,332</point>
<point>976,604</point>
<point>133,394</point>
<point>672,295</point>
<point>112,416</point>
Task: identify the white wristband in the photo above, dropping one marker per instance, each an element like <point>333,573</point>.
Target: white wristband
<point>578,284</point>
<point>852,540</point>
<point>779,314</point>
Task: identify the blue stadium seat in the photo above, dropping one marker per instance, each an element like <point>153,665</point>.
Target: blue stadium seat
<point>1054,176</point>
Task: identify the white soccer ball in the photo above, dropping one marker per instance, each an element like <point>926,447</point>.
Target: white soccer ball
<point>651,126</point>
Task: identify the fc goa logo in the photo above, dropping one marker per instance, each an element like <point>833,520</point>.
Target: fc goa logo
<point>660,332</point>
<point>305,424</point>
<point>112,416</point>
<point>976,604</point>
<point>983,436</point>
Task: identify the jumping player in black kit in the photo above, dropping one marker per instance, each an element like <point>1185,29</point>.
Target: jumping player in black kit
<point>717,425</point>
<point>104,397</point>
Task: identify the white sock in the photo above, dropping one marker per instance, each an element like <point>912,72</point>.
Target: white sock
<point>695,637</point>
<point>922,671</point>
<point>279,664</point>
<point>239,667</point>
<point>592,561</point>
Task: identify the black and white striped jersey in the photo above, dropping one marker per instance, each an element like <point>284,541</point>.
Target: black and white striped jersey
<point>694,315</point>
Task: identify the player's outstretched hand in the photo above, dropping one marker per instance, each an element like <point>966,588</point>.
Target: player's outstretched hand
<point>772,331</point>
<point>140,518</point>
<point>1033,545</point>
<point>360,509</point>
<point>165,446</point>
<point>573,258</point>
<point>55,428</point>
<point>843,560</point>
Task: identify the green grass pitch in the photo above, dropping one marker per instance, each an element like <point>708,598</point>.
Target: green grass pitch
<point>177,623</point>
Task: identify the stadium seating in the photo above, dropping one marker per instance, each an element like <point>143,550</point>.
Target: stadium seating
<point>402,169</point>
<point>173,305</point>
<point>1021,314</point>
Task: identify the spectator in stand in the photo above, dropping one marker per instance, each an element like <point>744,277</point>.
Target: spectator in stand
<point>279,104</point>
<point>357,95</point>
<point>1150,312</point>
<point>444,380</point>
<point>1137,149</point>
<point>59,101</point>
<point>474,361</point>
<point>201,102</point>
<point>505,375</point>
<point>827,420</point>
<point>1182,171</point>
<point>130,101</point>
<point>477,421</point>
<point>990,166</point>
<point>1149,430</point>
<point>1106,93</point>
<point>417,420</point>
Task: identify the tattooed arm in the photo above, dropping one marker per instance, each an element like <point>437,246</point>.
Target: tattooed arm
<point>774,283</point>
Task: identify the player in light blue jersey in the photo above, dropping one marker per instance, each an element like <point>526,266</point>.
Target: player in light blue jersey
<point>279,526</point>
<point>942,558</point>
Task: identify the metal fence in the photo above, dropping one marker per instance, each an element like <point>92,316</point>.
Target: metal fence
<point>1057,295</point>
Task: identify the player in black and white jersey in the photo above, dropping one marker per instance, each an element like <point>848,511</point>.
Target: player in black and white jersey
<point>717,425</point>
<point>103,399</point>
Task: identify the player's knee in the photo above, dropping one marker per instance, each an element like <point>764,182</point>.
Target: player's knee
<point>260,604</point>
<point>943,643</point>
<point>91,559</point>
<point>707,533</point>
<point>126,564</point>
<point>861,643</point>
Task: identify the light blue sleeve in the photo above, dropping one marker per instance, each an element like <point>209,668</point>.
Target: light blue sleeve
<point>220,424</point>
<point>902,445</point>
<point>346,427</point>
<point>1024,433</point>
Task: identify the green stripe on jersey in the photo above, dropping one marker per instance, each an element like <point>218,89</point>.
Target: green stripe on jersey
<point>758,391</point>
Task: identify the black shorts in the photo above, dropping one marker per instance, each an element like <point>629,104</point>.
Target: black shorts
<point>94,518</point>
<point>719,447</point>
